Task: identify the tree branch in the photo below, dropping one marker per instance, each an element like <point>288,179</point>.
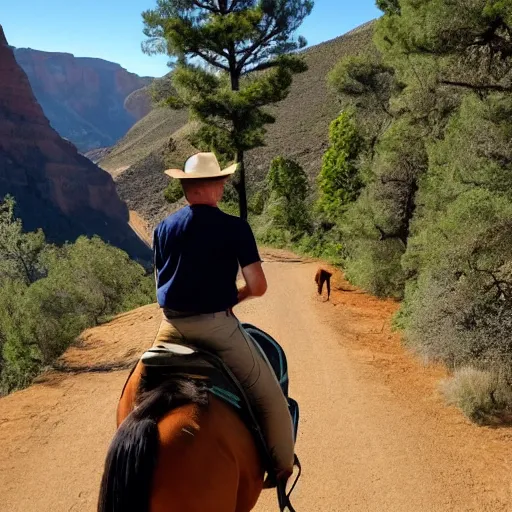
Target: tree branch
<point>26,269</point>
<point>262,66</point>
<point>234,3</point>
<point>210,60</point>
<point>475,87</point>
<point>204,6</point>
<point>500,285</point>
<point>260,42</point>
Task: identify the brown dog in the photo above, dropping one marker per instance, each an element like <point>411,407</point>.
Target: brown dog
<point>323,276</point>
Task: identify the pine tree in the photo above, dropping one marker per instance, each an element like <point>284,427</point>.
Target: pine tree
<point>231,58</point>
<point>339,181</point>
<point>389,6</point>
<point>20,253</point>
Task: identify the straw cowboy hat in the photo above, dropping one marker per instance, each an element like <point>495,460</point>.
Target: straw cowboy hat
<point>201,165</point>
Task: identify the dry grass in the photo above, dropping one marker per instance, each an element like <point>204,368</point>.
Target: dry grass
<point>303,118</point>
<point>481,395</point>
<point>143,184</point>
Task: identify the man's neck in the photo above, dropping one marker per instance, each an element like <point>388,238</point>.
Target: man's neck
<point>203,203</point>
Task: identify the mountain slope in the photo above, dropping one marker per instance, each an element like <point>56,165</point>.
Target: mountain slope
<point>84,98</point>
<point>55,187</point>
<point>151,134</point>
<point>300,130</point>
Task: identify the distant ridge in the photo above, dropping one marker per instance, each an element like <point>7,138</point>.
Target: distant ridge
<point>83,97</point>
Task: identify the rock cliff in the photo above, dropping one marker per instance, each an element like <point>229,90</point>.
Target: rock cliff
<point>55,187</point>
<point>84,98</point>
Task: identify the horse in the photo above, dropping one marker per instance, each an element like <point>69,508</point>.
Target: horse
<point>178,448</point>
<point>323,276</point>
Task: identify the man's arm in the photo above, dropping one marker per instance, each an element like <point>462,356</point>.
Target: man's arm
<point>250,262</point>
<point>255,282</point>
<point>155,256</point>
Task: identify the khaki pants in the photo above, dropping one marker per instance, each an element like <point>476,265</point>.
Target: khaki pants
<point>222,334</point>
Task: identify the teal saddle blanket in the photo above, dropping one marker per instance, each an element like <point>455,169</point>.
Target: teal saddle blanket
<point>172,358</point>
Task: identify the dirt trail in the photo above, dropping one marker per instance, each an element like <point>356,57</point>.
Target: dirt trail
<point>140,227</point>
<point>375,435</point>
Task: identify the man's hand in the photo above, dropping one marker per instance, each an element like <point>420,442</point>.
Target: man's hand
<point>255,282</point>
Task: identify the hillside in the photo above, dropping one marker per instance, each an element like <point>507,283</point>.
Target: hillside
<point>85,99</point>
<point>150,135</point>
<point>300,131</point>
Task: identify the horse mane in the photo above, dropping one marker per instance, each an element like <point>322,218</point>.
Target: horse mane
<point>132,456</point>
<point>177,387</point>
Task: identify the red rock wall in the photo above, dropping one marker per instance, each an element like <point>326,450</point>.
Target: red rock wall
<point>82,97</point>
<point>47,175</point>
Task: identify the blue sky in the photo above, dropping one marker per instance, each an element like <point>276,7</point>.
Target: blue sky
<point>112,29</point>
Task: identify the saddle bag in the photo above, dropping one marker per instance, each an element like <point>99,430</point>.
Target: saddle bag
<point>277,359</point>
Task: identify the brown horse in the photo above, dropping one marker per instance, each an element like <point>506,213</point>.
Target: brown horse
<point>179,449</point>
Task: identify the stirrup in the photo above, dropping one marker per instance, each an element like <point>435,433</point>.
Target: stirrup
<point>282,496</point>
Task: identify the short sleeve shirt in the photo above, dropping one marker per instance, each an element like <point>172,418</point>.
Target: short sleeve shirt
<point>197,253</point>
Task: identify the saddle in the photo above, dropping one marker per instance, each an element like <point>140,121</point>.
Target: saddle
<point>178,358</point>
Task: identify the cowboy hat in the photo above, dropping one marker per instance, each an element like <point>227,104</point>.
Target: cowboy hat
<point>201,165</point>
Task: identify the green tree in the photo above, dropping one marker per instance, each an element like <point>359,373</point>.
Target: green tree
<point>288,185</point>
<point>432,224</point>
<point>48,295</point>
<point>469,40</point>
<point>96,280</point>
<point>366,80</point>
<point>20,252</point>
<point>339,179</point>
<point>389,6</point>
<point>372,261</point>
<point>288,179</point>
<point>220,50</point>
<point>460,307</point>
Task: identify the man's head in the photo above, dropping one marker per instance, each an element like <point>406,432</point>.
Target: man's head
<point>204,190</point>
<point>202,178</point>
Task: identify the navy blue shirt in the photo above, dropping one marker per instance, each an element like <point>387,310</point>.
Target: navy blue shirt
<point>197,252</point>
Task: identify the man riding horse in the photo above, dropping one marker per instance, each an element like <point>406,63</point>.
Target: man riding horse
<point>197,253</point>
<point>202,415</point>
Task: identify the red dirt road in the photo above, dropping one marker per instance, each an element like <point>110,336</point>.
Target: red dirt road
<point>375,435</point>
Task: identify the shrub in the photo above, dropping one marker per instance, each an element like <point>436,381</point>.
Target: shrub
<point>79,285</point>
<point>324,244</point>
<point>287,179</point>
<point>460,310</point>
<point>483,396</point>
<point>174,192</point>
<point>371,262</point>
